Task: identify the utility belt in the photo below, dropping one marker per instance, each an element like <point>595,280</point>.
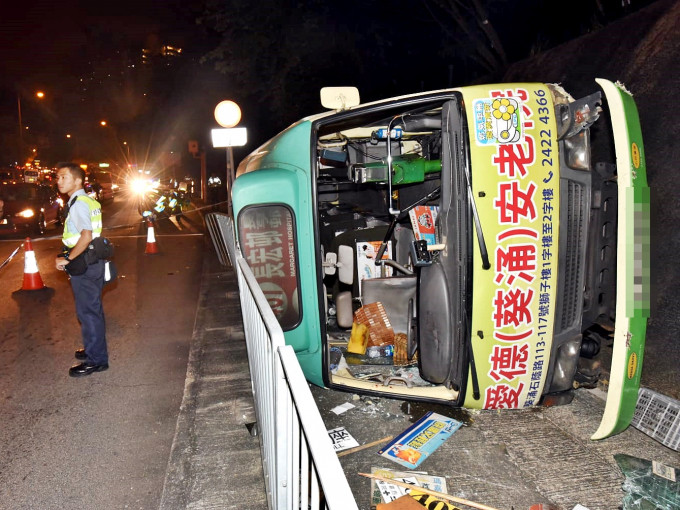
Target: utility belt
<point>100,248</point>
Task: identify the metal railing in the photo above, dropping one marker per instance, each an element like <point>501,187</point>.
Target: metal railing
<point>301,468</point>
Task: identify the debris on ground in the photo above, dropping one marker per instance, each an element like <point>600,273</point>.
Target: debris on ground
<point>342,408</point>
<point>418,441</point>
<point>420,479</point>
<point>364,446</point>
<point>649,485</point>
<point>429,497</point>
<point>658,416</point>
<point>341,439</point>
<point>402,503</point>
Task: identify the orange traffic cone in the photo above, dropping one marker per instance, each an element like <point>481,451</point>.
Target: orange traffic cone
<point>151,246</point>
<point>32,279</point>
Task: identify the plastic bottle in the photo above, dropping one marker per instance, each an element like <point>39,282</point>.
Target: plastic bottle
<point>380,351</point>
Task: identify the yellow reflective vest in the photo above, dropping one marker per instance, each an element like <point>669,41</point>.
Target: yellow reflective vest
<point>71,238</point>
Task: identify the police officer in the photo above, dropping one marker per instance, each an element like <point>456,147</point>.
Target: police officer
<point>83,223</point>
<point>214,184</point>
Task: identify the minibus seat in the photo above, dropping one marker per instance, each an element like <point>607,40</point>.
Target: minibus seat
<point>348,297</point>
<point>398,296</point>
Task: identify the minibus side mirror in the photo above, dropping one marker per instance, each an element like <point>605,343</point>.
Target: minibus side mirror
<point>343,261</point>
<point>346,264</point>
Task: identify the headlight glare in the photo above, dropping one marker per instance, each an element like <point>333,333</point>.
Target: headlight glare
<point>26,213</point>
<point>139,186</point>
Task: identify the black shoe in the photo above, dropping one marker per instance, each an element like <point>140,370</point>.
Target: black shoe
<point>80,354</point>
<point>86,369</point>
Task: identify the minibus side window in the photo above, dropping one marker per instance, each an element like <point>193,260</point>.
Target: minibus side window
<point>267,240</point>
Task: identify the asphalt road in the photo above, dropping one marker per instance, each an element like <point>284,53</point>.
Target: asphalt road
<point>102,441</point>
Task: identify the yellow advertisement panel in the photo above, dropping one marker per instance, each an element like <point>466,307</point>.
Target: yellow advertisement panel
<point>515,181</point>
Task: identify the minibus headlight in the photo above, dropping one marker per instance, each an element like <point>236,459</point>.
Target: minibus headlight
<point>577,150</point>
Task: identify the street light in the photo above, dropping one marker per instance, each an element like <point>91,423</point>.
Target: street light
<point>228,115</point>
<point>113,143</point>
<point>39,95</point>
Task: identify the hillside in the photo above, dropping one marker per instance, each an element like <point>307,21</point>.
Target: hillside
<point>642,51</point>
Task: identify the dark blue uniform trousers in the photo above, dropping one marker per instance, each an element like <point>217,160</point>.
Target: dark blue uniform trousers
<point>87,289</point>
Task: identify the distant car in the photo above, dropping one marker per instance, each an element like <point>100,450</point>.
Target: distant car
<point>102,182</point>
<point>92,190</point>
<point>8,176</point>
<point>31,176</point>
<point>29,207</point>
<point>49,177</point>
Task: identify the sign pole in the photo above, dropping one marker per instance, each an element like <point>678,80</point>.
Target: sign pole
<point>230,180</point>
<point>228,115</point>
<point>204,179</point>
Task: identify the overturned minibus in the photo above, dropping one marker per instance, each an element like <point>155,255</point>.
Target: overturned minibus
<point>464,246</point>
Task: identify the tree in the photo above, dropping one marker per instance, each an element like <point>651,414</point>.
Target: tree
<point>272,53</point>
<point>467,22</point>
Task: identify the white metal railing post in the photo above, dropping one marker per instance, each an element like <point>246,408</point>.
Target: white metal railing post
<point>332,478</point>
<point>282,436</point>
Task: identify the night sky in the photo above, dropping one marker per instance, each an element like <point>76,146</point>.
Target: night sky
<point>43,40</point>
<point>85,56</point>
<point>56,47</point>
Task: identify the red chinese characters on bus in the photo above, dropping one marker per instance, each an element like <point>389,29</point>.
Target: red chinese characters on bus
<point>267,238</point>
<point>517,265</point>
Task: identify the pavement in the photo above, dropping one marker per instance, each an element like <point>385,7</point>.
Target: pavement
<point>215,461</point>
<point>510,459</point>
